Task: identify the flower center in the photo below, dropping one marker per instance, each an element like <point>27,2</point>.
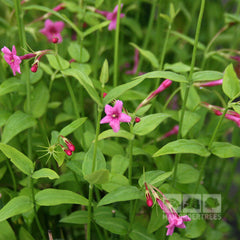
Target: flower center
<point>52,30</point>
<point>114,115</point>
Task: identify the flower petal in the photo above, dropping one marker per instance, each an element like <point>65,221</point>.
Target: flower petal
<point>124,118</point>
<point>118,107</point>
<point>59,26</point>
<point>115,125</point>
<point>5,50</point>
<point>106,119</point>
<point>112,25</point>
<point>170,228</point>
<point>108,110</point>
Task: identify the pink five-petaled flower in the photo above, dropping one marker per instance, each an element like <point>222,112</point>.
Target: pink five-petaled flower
<point>112,16</point>
<point>115,116</point>
<point>52,30</point>
<point>12,59</point>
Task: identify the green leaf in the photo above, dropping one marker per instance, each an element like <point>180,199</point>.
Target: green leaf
<point>24,234</point>
<point>186,174</point>
<point>119,164</point>
<point>154,177</point>
<point>104,76</point>
<point>53,197</point>
<point>78,53</point>
<point>134,26</point>
<point>149,123</point>
<point>189,120</point>
<point>36,76</point>
<point>4,115</point>
<point>116,180</point>
<point>2,171</point>
<point>70,128</point>
<point>22,162</point>
<point>110,133</point>
<point>45,173</point>
<point>57,62</point>
<point>183,146</point>
<point>113,224</point>
<point>88,161</point>
<point>125,193</point>
<point>17,123</point>
<point>193,98</point>
<point>62,117</point>
<point>231,84</point>
<point>98,177</point>
<point>6,231</point>
<point>140,233</point>
<point>148,55</point>
<point>85,81</point>
<point>178,67</point>
<point>225,150</point>
<point>16,206</point>
<point>163,74</point>
<point>194,228</point>
<point>188,39</point>
<point>59,157</point>
<point>207,76</point>
<point>40,100</point>
<point>176,236</point>
<point>77,217</point>
<point>83,67</point>
<point>11,85</point>
<point>95,28</point>
<point>236,108</point>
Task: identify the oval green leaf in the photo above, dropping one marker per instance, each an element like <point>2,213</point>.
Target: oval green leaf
<point>53,197</point>
<point>186,174</point>
<point>125,193</point>
<point>22,162</point>
<point>149,123</point>
<point>70,128</point>
<point>45,173</point>
<point>16,206</point>
<point>17,123</point>
<point>78,53</point>
<point>78,217</point>
<point>57,62</point>
<point>110,133</point>
<point>225,150</point>
<point>183,146</point>
<point>98,177</point>
<point>202,76</point>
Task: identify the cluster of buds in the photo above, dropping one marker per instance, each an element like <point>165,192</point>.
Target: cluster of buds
<point>231,115</point>
<point>70,148</point>
<point>165,84</point>
<point>173,218</point>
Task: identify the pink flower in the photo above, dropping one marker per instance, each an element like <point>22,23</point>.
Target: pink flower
<point>112,16</point>
<point>173,131</point>
<point>115,116</point>
<point>173,218</point>
<point>52,30</point>
<point>210,84</point>
<point>12,59</point>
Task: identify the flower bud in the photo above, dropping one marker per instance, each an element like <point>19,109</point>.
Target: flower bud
<point>137,119</point>
<point>104,95</point>
<point>68,152</point>
<point>54,40</point>
<point>34,67</point>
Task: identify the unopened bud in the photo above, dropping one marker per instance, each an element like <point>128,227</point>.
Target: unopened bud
<point>34,67</point>
<point>54,40</point>
<point>104,95</point>
<point>68,152</point>
<point>137,119</point>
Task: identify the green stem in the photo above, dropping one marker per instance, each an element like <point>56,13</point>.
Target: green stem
<point>170,98</point>
<point>209,146</point>
<point>149,31</point>
<point>90,195</point>
<point>22,38</point>
<point>35,210</point>
<point>190,82</point>
<point>12,176</point>
<point>116,46</point>
<point>130,157</point>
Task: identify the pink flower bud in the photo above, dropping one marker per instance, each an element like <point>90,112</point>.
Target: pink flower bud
<point>34,67</point>
<point>104,95</point>
<point>54,40</point>
<point>68,152</point>
<point>148,196</point>
<point>69,144</point>
<point>137,119</point>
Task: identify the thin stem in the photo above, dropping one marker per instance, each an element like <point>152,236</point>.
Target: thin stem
<point>149,31</point>
<point>90,195</point>
<point>130,157</point>
<point>190,82</point>
<point>22,38</point>
<point>209,146</point>
<point>116,46</point>
<point>170,98</point>
<point>35,210</point>
<point>12,176</point>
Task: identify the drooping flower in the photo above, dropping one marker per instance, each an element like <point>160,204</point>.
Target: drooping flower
<point>136,62</point>
<point>112,16</point>
<point>12,59</point>
<point>173,218</point>
<point>173,131</point>
<point>114,116</point>
<point>52,30</point>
